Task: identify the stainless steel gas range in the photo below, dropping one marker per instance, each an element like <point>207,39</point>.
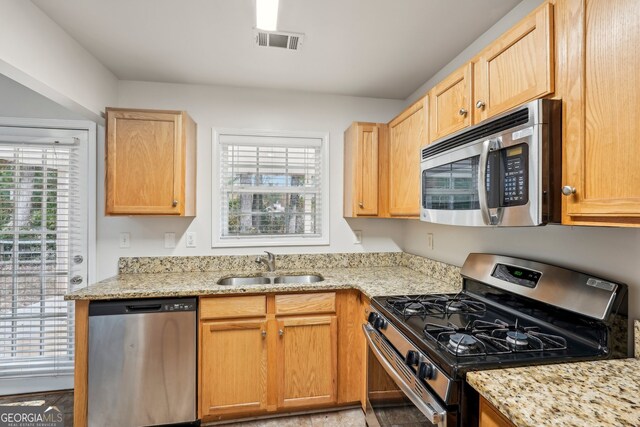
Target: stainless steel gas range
<point>511,312</point>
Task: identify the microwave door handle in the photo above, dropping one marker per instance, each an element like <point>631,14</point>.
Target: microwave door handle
<point>482,182</point>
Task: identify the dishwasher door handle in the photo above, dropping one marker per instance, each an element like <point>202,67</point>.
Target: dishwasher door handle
<point>143,308</point>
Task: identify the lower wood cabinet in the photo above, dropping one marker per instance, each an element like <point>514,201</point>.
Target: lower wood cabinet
<point>491,417</point>
<point>307,361</point>
<point>234,366</point>
<point>279,353</point>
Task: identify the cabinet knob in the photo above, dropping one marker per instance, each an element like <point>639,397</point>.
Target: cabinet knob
<point>463,112</point>
<point>280,332</point>
<point>480,105</point>
<point>174,203</point>
<point>361,204</point>
<point>264,334</point>
<point>568,190</point>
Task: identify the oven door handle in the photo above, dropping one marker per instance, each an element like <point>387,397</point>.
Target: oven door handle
<point>487,217</point>
<point>434,413</point>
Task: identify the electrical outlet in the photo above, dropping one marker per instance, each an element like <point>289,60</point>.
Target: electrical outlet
<point>430,240</point>
<point>169,240</point>
<point>125,240</point>
<point>357,239</point>
<point>191,239</point>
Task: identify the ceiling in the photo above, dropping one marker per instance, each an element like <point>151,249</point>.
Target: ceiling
<point>374,48</point>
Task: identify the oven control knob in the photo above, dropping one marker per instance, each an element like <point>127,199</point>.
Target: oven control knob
<point>412,358</point>
<point>372,318</point>
<point>426,371</point>
<point>379,323</point>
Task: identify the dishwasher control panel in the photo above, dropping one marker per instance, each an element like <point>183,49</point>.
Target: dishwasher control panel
<point>180,306</point>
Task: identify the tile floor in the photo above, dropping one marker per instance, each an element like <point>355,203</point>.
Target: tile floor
<point>344,418</point>
<point>64,401</point>
<point>61,399</point>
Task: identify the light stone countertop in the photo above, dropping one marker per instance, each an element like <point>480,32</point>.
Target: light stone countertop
<point>600,393</point>
<point>372,281</point>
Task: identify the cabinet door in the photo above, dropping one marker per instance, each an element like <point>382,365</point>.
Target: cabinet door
<point>601,130</point>
<point>450,104</point>
<point>516,68</point>
<point>490,417</point>
<point>407,133</point>
<point>233,367</point>
<point>307,361</point>
<point>367,171</point>
<point>144,162</point>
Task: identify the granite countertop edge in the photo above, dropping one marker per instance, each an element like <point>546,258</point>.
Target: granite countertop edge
<point>603,393</point>
<point>372,281</point>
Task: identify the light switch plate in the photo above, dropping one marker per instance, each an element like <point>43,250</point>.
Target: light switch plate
<point>169,240</point>
<point>357,239</point>
<point>430,241</point>
<point>125,240</point>
<point>191,239</point>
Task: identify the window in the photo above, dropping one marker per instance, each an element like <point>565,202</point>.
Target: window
<point>272,188</point>
<point>43,232</point>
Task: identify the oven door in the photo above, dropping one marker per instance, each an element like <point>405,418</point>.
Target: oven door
<point>395,396</point>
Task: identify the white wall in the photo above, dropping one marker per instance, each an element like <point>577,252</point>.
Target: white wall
<point>506,22</point>
<point>37,53</point>
<point>228,107</point>
<point>19,101</point>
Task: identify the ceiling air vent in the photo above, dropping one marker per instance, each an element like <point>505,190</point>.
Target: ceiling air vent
<point>279,39</point>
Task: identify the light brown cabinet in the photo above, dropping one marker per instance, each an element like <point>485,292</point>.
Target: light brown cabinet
<point>361,159</point>
<point>491,417</point>
<point>234,367</point>
<point>307,361</point>
<point>450,103</point>
<point>599,82</point>
<point>271,353</point>
<point>407,134</point>
<point>517,67</point>
<point>150,162</point>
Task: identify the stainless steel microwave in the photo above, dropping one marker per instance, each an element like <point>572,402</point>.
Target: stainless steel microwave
<point>504,171</point>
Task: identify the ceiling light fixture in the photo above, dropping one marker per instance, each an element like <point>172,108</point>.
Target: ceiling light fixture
<point>267,15</point>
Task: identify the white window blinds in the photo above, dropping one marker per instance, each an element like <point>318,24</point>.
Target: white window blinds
<point>42,249</point>
<point>271,187</point>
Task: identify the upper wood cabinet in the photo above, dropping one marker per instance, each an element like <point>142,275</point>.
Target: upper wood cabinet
<point>450,103</point>
<point>361,187</point>
<point>407,133</point>
<point>516,68</point>
<point>599,82</point>
<point>150,163</point>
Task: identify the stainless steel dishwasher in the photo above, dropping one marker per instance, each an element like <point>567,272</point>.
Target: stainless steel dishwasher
<point>142,362</point>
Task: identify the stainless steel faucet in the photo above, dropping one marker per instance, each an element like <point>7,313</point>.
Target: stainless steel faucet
<point>269,261</point>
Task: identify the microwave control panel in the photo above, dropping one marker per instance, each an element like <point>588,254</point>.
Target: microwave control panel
<point>514,177</point>
<point>511,186</point>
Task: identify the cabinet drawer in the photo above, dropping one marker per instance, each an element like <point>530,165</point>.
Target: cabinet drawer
<point>306,303</point>
<point>233,307</point>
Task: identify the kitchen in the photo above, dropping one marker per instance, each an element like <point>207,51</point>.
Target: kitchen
<point>47,62</point>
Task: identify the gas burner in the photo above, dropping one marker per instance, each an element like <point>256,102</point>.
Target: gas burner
<point>463,344</point>
<point>517,339</point>
<point>414,306</point>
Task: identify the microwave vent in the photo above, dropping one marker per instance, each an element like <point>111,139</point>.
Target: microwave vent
<point>509,121</point>
<point>279,40</point>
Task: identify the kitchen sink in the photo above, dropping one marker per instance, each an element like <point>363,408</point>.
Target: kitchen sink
<point>259,280</point>
<point>243,281</point>
<point>303,278</point>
